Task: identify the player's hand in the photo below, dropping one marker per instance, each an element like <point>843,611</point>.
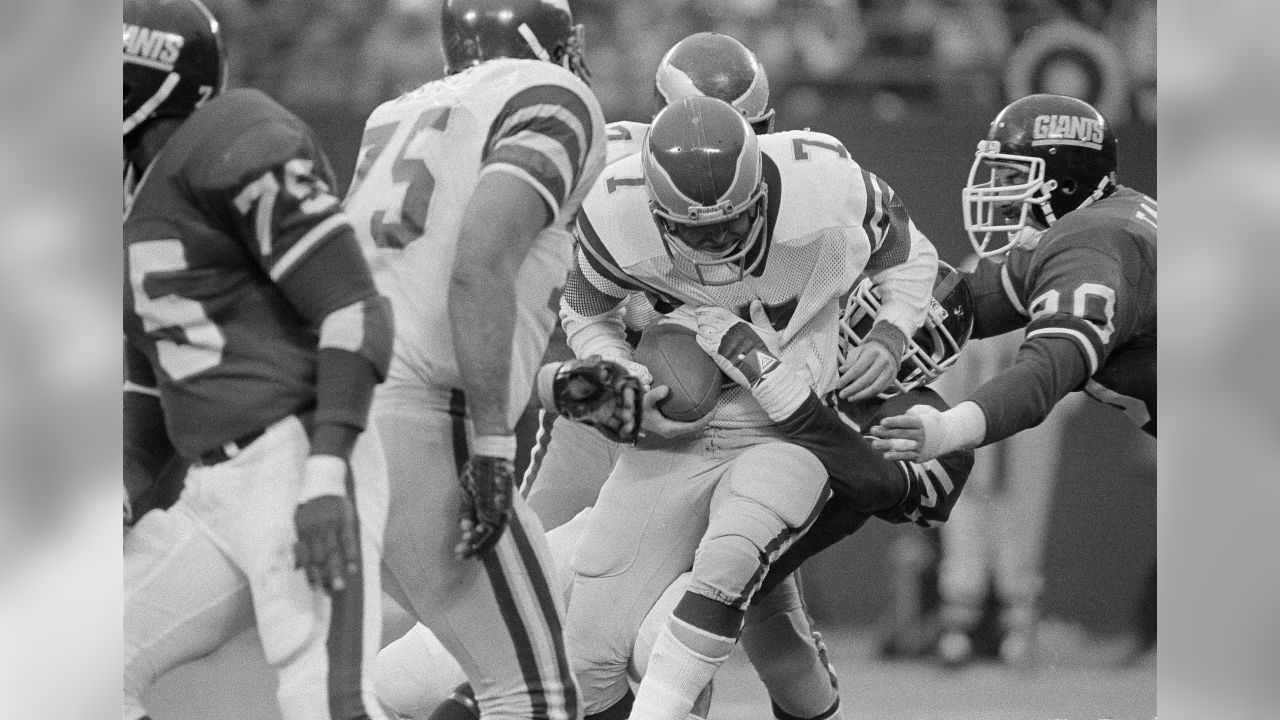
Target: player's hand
<point>748,354</point>
<point>869,369</point>
<point>487,489</point>
<point>328,549</point>
<point>740,349</point>
<point>659,424</point>
<point>908,436</point>
<point>602,394</point>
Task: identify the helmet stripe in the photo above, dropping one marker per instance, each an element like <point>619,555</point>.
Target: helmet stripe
<point>153,102</point>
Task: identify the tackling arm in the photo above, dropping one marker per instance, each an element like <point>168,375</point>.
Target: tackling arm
<point>902,266</point>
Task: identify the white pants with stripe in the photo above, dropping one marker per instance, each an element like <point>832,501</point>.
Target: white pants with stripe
<point>501,615</point>
<point>221,560</point>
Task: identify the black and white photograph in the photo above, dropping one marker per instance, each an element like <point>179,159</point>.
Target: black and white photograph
<point>648,359</point>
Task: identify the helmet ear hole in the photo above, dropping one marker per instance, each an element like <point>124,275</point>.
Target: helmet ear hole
<point>1068,186</point>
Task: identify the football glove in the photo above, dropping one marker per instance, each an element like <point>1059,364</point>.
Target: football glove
<point>602,394</point>
<point>488,484</point>
<point>742,351</point>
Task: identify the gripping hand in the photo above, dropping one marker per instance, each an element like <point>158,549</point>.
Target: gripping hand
<point>743,352</point>
<point>602,394</point>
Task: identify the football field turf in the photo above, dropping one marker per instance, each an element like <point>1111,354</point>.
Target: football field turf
<point>1078,678</point>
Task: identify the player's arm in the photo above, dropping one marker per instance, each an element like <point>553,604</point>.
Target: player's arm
<point>1079,306</point>
<point>902,266</point>
<point>147,448</point>
<point>293,225</point>
<point>871,483</point>
<point>592,312</point>
<point>549,145</point>
<point>943,479</point>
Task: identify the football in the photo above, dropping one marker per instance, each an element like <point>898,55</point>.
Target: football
<point>672,354</point>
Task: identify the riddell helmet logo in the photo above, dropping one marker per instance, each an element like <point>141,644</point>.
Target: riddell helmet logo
<point>153,48</point>
<point>1067,130</point>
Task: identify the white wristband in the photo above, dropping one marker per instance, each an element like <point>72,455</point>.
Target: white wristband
<point>500,446</point>
<point>324,475</point>
<point>960,428</point>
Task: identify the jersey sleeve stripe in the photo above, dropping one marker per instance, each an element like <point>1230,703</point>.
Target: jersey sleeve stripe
<point>1082,340</point>
<point>306,244</point>
<point>540,162</point>
<point>872,217</point>
<point>599,257</point>
<point>556,123</point>
<point>343,329</point>
<point>1006,281</point>
<point>553,205</point>
<point>553,110</point>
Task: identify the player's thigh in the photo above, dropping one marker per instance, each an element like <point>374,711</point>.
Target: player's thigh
<point>423,436</point>
<point>785,479</point>
<point>640,536</point>
<point>503,625</point>
<point>182,597</point>
<point>575,465</point>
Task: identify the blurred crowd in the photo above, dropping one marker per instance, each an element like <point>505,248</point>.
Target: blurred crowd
<point>921,56</point>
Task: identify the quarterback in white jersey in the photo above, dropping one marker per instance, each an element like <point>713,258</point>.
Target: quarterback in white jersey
<point>461,198</point>
<point>709,215</point>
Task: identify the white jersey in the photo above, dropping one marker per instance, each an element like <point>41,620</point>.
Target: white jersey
<point>829,222</point>
<point>420,160</point>
<point>624,138</point>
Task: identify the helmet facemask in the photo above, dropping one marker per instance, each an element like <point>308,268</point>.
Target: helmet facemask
<point>932,350</point>
<point>717,266</point>
<point>998,206</point>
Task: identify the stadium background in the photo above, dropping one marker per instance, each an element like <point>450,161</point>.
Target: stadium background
<point>908,86</point>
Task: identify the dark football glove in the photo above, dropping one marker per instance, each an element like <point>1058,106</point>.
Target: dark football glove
<point>931,495</point>
<point>487,487</point>
<point>327,548</point>
<point>601,394</point>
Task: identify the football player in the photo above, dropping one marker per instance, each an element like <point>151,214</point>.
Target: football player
<point>254,337</point>
<point>708,216</point>
<point>461,196</point>
<point>1077,270</point>
<point>570,461</point>
<point>414,674</point>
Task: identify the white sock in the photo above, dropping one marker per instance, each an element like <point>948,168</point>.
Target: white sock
<point>683,661</point>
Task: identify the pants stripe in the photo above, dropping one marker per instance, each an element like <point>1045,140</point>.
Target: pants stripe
<point>771,549</point>
<point>538,452</point>
<point>547,604</point>
<point>345,644</point>
<point>458,415</point>
<point>519,634</point>
<point>502,590</point>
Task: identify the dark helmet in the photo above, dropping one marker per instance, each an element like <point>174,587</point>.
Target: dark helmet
<point>1065,149</point>
<point>173,59</point>
<point>934,347</point>
<point>703,167</point>
<point>474,31</point>
<point>717,66</point>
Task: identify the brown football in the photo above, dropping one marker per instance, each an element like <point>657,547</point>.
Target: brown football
<point>672,354</point>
